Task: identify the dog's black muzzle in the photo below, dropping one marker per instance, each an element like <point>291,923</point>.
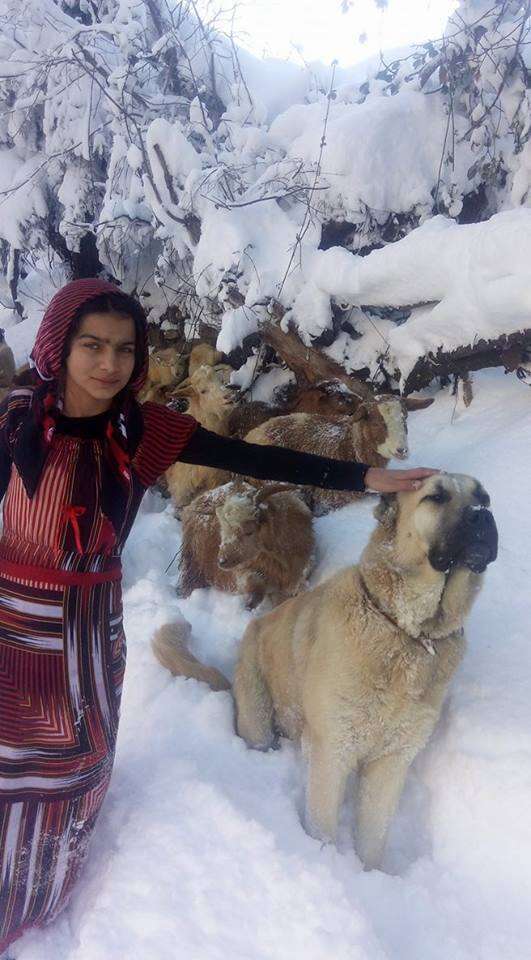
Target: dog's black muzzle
<point>473,544</point>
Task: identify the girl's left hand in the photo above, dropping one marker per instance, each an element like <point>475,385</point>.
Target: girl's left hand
<point>393,481</point>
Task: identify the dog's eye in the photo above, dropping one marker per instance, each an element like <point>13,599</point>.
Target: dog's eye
<point>440,497</point>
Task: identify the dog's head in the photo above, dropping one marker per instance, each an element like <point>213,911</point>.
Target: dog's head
<point>446,520</point>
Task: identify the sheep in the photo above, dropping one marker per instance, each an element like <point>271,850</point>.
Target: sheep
<point>330,398</point>
<point>203,355</point>
<point>210,400</point>
<point>166,370</point>
<point>254,542</point>
<point>373,434</point>
<point>248,415</point>
<point>209,395</point>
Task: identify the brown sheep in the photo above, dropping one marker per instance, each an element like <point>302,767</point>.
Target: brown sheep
<point>210,400</point>
<point>248,415</point>
<point>165,372</point>
<point>203,355</point>
<point>255,542</point>
<point>329,398</point>
<point>373,434</point>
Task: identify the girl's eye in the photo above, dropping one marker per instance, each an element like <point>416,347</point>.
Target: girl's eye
<point>127,349</point>
<point>91,346</point>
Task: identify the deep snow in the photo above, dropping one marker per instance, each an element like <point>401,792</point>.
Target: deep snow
<point>199,852</point>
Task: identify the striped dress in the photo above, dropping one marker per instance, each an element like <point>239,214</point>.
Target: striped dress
<point>62,657</point>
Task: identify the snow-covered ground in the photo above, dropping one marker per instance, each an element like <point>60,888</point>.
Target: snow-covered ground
<point>199,852</point>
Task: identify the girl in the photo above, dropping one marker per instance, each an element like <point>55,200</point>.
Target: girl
<point>77,454</point>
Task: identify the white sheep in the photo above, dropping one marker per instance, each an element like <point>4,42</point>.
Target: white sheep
<point>210,401</point>
<point>374,433</point>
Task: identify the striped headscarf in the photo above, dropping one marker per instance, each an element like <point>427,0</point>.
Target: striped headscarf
<point>35,434</point>
<point>52,335</point>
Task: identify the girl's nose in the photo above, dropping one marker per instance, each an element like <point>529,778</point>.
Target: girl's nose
<point>108,360</point>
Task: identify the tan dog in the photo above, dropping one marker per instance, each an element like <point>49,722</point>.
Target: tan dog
<point>359,666</point>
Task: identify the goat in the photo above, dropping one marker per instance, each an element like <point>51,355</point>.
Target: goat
<point>329,398</point>
<point>203,355</point>
<point>210,400</point>
<point>374,433</point>
<point>255,542</point>
<point>166,370</point>
<point>248,415</point>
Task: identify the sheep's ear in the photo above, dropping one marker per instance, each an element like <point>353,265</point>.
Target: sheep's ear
<point>386,510</point>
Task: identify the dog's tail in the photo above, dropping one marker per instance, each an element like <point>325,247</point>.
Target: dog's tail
<point>170,646</point>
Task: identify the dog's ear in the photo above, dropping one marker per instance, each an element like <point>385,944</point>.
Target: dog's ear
<point>386,510</point>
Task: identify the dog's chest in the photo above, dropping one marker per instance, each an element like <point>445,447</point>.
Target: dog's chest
<point>389,707</point>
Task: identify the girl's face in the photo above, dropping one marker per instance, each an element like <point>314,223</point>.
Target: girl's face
<point>100,363</point>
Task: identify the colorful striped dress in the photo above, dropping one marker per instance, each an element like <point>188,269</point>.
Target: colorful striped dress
<point>62,655</point>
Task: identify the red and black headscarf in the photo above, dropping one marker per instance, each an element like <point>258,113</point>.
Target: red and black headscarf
<point>124,430</point>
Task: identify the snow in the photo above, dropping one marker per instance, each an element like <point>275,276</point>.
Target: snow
<point>265,386</point>
<point>368,162</point>
<point>199,851</point>
<point>474,276</point>
<point>236,324</point>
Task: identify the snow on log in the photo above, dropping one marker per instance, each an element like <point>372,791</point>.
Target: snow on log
<point>469,286</point>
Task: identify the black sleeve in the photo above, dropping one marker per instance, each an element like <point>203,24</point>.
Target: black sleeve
<point>272,463</point>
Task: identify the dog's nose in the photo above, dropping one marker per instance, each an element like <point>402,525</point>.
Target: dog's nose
<point>479,517</point>
<point>481,529</point>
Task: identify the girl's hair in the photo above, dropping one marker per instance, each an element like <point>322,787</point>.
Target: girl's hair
<point>118,303</point>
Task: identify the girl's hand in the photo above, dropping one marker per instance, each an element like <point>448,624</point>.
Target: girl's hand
<point>393,481</point>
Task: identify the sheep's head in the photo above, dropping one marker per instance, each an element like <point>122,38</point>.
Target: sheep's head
<point>209,387</point>
<point>385,421</point>
<point>328,398</point>
<point>241,518</point>
<point>165,366</point>
<point>384,424</point>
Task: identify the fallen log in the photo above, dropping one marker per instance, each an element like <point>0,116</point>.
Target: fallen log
<point>507,351</point>
<point>309,365</point>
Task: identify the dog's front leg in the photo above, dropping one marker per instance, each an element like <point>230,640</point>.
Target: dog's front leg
<point>327,778</point>
<point>380,788</point>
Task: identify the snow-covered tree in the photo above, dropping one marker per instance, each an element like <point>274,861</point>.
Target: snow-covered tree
<point>138,139</point>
